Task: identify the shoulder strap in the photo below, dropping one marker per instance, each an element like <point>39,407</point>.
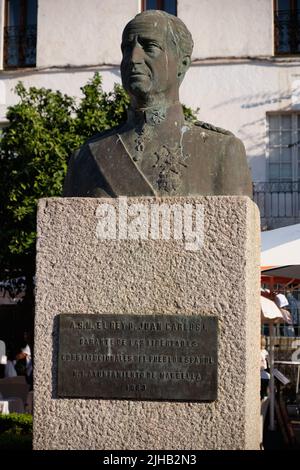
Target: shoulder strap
<point>211,127</point>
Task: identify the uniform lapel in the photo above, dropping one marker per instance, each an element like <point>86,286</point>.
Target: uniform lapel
<point>118,169</point>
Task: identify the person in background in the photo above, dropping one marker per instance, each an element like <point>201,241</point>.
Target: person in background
<point>293,308</point>
<point>3,358</point>
<point>282,303</point>
<point>10,370</point>
<point>264,369</point>
<point>23,361</point>
<point>281,300</point>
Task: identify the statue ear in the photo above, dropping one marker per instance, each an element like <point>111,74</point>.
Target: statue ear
<point>184,65</point>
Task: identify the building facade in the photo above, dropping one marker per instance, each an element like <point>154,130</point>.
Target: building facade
<point>245,72</point>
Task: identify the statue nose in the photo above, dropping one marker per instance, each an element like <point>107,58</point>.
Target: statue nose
<point>137,54</point>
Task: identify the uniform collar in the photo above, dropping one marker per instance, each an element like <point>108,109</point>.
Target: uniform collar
<point>156,114</point>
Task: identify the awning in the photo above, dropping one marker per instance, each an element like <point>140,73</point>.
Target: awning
<point>281,247</point>
<point>291,272</point>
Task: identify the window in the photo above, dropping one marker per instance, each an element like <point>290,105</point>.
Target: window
<point>170,6</point>
<point>284,146</point>
<point>20,33</point>
<point>287,26</point>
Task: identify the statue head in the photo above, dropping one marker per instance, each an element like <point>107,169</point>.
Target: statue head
<point>157,50</point>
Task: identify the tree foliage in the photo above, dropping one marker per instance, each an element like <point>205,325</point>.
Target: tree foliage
<point>45,127</point>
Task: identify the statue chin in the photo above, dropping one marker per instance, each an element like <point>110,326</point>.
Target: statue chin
<point>139,87</point>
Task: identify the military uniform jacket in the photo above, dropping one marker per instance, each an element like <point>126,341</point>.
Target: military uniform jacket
<point>208,161</point>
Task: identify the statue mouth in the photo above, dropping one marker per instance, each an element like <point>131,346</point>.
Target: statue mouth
<point>137,73</point>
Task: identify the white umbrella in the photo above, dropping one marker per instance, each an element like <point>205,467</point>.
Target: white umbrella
<point>281,246</point>
<point>271,314</point>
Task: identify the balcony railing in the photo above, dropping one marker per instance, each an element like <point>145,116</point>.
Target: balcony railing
<point>287,31</point>
<point>20,46</point>
<point>279,202</point>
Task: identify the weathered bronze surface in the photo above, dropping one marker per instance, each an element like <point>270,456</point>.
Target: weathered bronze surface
<point>144,357</point>
<point>156,152</point>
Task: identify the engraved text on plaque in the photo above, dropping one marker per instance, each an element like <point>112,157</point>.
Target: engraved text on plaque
<point>144,357</point>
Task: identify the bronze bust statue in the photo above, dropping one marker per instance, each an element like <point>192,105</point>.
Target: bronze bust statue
<point>157,153</point>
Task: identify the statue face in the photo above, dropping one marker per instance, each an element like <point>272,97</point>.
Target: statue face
<point>149,65</point>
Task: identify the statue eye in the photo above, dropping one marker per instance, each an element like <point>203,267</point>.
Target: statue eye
<point>151,47</point>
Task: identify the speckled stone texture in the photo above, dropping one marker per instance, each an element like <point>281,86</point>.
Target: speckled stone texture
<point>78,273</point>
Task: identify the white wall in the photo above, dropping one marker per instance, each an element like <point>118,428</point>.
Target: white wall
<point>238,95</point>
<point>235,96</point>
<point>67,81</point>
<point>82,32</point>
<point>88,32</point>
<point>229,28</point>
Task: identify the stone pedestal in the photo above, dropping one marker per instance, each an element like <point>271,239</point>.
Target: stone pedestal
<point>81,272</point>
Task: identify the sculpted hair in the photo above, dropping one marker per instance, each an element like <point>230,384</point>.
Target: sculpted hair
<point>178,32</point>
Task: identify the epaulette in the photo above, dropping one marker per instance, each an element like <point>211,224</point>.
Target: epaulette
<point>210,127</point>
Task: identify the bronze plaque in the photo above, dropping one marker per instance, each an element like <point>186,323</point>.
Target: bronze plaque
<point>144,357</point>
